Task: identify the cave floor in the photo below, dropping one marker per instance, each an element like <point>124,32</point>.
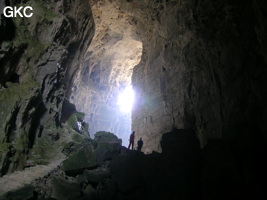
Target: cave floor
<point>22,178</point>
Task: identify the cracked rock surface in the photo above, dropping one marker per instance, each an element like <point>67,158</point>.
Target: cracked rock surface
<point>38,57</point>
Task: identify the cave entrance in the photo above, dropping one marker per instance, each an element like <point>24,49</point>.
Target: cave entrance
<point>126,99</point>
<point>107,70</point>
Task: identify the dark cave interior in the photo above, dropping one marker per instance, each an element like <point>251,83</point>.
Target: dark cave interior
<point>198,70</point>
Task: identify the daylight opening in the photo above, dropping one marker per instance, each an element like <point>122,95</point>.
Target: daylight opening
<point>126,99</point>
<point>101,88</point>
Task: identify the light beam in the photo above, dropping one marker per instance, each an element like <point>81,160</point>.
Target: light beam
<point>126,99</point>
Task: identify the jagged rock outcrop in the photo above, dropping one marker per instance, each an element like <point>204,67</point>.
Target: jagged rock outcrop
<point>107,146</point>
<point>38,57</point>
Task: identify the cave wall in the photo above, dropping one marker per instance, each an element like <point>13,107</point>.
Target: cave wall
<point>203,67</point>
<point>107,69</point>
<point>38,59</point>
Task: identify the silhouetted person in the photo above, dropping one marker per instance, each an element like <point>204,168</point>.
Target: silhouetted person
<point>131,140</point>
<point>139,145</point>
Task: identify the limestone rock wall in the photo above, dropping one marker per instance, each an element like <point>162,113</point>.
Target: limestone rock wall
<point>38,57</point>
<point>107,70</point>
<point>203,66</point>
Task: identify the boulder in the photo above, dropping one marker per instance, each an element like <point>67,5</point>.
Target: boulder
<point>106,151</point>
<point>63,189</point>
<point>98,175</point>
<point>126,170</point>
<point>108,145</point>
<point>79,161</point>
<point>103,136</point>
<point>89,192</point>
<point>24,193</point>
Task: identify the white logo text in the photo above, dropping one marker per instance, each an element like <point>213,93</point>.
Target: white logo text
<point>20,11</point>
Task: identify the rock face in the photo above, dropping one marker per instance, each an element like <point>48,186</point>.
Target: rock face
<point>203,67</point>
<point>108,145</point>
<point>83,159</point>
<point>107,70</point>
<point>170,175</point>
<point>202,70</point>
<point>38,58</point>
<point>79,178</point>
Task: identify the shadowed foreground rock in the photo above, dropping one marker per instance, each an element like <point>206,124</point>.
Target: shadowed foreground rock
<point>126,174</point>
<point>235,169</point>
<point>224,169</point>
<point>174,174</point>
<point>83,159</point>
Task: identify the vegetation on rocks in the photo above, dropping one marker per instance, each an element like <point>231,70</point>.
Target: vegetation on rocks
<point>36,51</point>
<point>74,118</point>
<point>42,10</point>
<point>43,152</point>
<point>79,161</point>
<point>14,99</point>
<point>105,136</point>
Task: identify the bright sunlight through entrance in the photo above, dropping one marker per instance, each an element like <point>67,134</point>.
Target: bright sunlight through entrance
<point>126,99</point>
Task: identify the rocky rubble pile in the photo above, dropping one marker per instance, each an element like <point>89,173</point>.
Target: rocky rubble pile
<point>102,169</point>
<point>85,174</point>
